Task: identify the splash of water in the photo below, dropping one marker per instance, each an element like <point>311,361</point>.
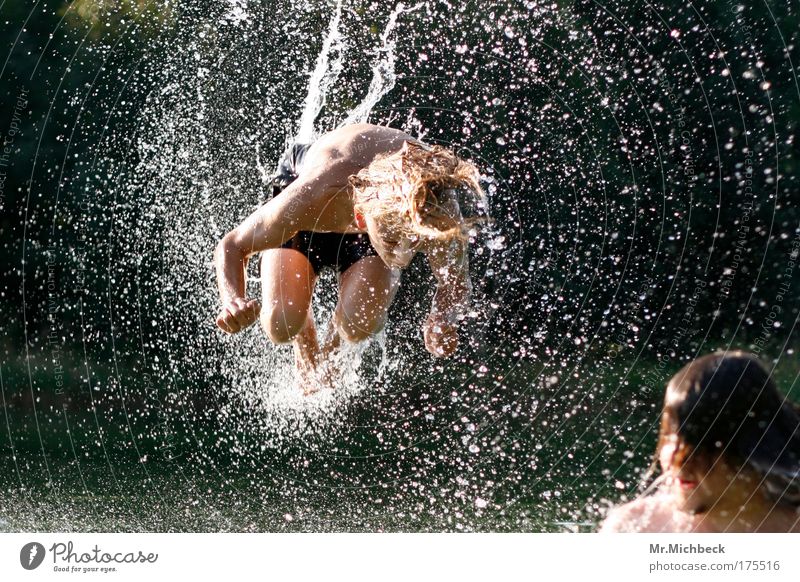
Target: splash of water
<point>276,406</point>
<point>326,72</point>
<point>383,70</point>
<point>237,12</point>
<point>290,409</point>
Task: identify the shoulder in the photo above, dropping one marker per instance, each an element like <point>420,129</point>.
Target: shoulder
<point>358,143</point>
<point>624,518</point>
<point>790,520</point>
<point>796,522</point>
<point>645,514</point>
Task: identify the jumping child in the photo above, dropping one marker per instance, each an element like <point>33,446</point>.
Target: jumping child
<point>363,199</point>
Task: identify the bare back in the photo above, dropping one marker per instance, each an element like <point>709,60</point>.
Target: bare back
<point>353,147</point>
<point>319,199</point>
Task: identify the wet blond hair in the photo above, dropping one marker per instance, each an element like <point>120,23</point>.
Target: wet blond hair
<point>416,190</point>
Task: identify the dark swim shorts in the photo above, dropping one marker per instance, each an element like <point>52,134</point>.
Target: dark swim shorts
<point>323,249</point>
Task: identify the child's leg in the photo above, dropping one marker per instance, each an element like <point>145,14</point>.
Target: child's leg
<point>287,283</point>
<point>366,291</point>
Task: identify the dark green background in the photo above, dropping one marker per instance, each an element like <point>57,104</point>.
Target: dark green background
<point>587,117</point>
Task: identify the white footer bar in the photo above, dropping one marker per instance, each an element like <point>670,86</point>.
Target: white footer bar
<point>398,557</point>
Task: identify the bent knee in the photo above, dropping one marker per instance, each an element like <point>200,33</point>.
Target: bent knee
<point>354,335</point>
<point>281,326</point>
<point>354,329</point>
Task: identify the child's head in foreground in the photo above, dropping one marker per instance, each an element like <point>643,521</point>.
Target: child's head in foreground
<point>410,198</point>
<point>727,433</point>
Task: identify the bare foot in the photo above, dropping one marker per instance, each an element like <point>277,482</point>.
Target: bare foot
<point>325,375</point>
<point>329,352</point>
<point>304,376</point>
<point>306,357</point>
<point>312,382</point>
<point>317,366</point>
<point>321,372</point>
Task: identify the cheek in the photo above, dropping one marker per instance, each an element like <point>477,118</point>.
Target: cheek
<point>666,455</point>
<point>373,228</point>
<point>403,247</point>
<point>377,244</point>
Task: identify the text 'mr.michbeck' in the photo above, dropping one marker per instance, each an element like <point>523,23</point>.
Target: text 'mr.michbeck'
<point>686,549</point>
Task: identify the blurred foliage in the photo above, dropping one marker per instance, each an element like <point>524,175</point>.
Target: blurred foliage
<point>114,15</point>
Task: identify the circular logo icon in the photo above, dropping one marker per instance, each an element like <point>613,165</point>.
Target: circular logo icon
<point>31,555</point>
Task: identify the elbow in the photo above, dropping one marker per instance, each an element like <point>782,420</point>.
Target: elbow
<point>220,251</point>
<point>226,249</point>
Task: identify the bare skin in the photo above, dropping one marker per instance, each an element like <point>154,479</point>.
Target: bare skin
<point>320,200</point>
<point>708,497</point>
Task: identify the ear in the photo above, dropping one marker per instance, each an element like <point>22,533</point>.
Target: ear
<point>360,222</point>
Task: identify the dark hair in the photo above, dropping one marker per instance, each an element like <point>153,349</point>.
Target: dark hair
<point>726,404</point>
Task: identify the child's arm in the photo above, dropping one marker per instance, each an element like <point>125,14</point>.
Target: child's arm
<point>268,227</point>
<point>450,265</point>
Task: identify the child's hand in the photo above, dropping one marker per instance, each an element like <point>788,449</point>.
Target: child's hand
<point>441,337</point>
<point>238,314</point>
